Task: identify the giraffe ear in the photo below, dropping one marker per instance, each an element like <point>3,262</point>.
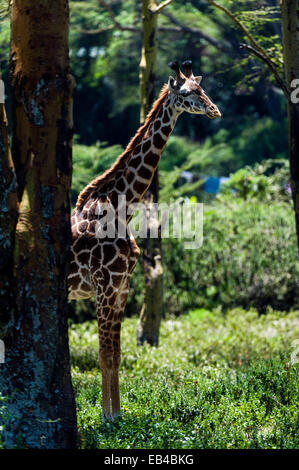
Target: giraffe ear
<point>198,79</point>
<point>171,84</point>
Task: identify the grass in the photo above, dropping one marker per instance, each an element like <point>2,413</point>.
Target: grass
<point>215,381</point>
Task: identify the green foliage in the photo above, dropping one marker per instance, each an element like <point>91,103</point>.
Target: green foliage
<point>258,140</point>
<point>90,162</point>
<point>249,253</point>
<point>215,381</point>
<point>254,183</point>
<point>263,21</point>
<point>4,38</point>
<point>4,8</point>
<point>180,156</point>
<point>248,258</point>
<point>221,155</point>
<point>105,66</point>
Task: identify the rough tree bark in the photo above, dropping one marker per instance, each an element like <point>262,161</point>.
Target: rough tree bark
<point>36,375</point>
<point>8,220</point>
<point>290,40</point>
<point>152,309</point>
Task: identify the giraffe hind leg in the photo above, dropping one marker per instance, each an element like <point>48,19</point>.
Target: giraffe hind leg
<point>118,312</point>
<point>104,314</point>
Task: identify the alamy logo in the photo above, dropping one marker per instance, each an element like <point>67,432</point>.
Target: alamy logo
<point>2,352</point>
<point>178,220</point>
<point>2,92</point>
<point>295,92</point>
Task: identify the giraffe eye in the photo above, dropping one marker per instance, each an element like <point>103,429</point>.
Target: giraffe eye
<point>185,93</point>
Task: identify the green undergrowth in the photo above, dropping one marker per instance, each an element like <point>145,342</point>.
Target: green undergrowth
<point>215,381</point>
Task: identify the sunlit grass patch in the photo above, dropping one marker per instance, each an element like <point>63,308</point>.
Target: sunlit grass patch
<point>215,381</point>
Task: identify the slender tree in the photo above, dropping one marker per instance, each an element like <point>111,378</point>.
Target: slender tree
<point>152,308</point>
<point>35,378</point>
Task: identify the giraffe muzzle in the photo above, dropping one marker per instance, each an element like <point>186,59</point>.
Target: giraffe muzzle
<point>213,112</point>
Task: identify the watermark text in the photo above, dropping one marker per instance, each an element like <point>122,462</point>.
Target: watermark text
<point>2,352</point>
<point>2,92</point>
<point>181,219</point>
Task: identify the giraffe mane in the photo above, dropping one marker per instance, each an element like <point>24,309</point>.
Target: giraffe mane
<point>93,185</point>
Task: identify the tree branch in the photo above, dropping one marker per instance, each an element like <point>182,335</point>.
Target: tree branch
<point>116,24</point>
<point>241,26</point>
<point>255,49</point>
<point>94,31</point>
<point>184,28</point>
<point>133,29</point>
<point>269,63</point>
<point>160,7</point>
<point>181,28</point>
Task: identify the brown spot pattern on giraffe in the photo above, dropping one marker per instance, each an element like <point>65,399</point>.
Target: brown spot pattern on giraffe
<point>151,159</point>
<point>159,142</point>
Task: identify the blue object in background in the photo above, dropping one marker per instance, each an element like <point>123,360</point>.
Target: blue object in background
<point>211,185</point>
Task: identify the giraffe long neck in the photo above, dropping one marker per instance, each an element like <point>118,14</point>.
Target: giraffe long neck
<point>145,156</point>
<point>131,174</point>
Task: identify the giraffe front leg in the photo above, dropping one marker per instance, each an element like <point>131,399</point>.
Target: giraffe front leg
<point>106,360</point>
<point>109,364</point>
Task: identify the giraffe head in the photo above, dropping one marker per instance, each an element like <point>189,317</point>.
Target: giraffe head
<point>187,94</point>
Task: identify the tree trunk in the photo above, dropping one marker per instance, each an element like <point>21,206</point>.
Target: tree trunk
<point>290,40</point>
<point>8,220</point>
<point>36,375</point>
<point>148,58</point>
<point>152,309</point>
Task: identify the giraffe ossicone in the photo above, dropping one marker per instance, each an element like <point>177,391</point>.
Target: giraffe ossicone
<point>102,265</point>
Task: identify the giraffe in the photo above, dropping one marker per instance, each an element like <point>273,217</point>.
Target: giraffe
<point>102,266</point>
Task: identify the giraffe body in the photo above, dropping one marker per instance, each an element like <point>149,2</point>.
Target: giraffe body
<point>103,266</point>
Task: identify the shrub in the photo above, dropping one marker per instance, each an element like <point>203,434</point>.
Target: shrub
<point>90,162</point>
<point>248,258</point>
<point>266,181</point>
